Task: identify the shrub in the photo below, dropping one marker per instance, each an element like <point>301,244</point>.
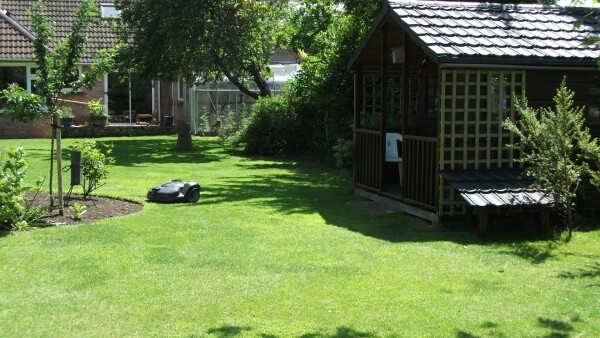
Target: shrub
<point>21,106</point>
<point>96,108</point>
<point>343,153</point>
<point>95,165</point>
<point>272,128</point>
<point>234,120</point>
<point>16,209</point>
<point>66,112</point>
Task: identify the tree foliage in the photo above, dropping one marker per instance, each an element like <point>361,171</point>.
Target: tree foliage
<point>322,92</point>
<point>557,149</point>
<point>209,39</point>
<point>95,165</point>
<point>16,209</point>
<point>57,73</point>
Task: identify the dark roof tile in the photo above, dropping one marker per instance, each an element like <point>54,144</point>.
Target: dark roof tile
<point>495,187</point>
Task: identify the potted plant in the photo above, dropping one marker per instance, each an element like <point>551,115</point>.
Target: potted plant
<point>66,116</point>
<point>98,118</point>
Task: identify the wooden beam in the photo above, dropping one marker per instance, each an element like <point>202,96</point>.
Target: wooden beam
<point>544,227</point>
<point>383,117</point>
<point>482,221</point>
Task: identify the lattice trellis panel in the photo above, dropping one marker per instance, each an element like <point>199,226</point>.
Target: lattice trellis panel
<point>473,105</point>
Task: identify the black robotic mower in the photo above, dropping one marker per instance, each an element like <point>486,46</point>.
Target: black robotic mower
<point>175,191</point>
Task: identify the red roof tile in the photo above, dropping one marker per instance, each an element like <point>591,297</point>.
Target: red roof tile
<point>15,45</point>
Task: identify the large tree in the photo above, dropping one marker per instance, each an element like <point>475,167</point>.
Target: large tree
<point>208,39</point>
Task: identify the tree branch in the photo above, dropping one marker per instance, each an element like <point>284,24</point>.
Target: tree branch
<point>235,81</point>
<point>259,80</point>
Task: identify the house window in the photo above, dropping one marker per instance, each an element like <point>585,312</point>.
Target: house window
<point>109,11</point>
<point>24,76</point>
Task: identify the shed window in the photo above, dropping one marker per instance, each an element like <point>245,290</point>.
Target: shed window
<point>370,114</point>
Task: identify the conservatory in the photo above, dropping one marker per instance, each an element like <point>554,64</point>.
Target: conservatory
<point>218,105</point>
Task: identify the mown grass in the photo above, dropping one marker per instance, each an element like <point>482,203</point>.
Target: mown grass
<point>276,248</point>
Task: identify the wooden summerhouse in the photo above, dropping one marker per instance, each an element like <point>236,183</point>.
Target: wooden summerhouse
<point>434,82</point>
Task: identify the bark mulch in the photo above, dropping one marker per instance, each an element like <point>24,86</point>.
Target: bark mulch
<point>97,208</point>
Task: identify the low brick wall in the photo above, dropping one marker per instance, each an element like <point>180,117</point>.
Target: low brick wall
<point>110,130</point>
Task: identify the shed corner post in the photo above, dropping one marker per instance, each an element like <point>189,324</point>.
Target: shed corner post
<point>482,221</point>
<point>544,224</point>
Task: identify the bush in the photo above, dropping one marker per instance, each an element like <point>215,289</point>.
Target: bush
<point>272,128</point>
<point>95,165</point>
<point>21,106</point>
<point>343,153</point>
<point>16,209</point>
<point>233,121</point>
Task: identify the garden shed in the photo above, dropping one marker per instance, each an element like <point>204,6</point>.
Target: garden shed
<point>433,82</point>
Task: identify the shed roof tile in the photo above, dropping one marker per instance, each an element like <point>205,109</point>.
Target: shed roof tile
<point>456,29</point>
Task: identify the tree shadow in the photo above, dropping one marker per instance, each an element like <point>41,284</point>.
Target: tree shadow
<point>558,328</point>
<point>225,331</point>
<point>341,332</point>
<point>297,187</point>
<point>591,271</point>
<point>130,152</point>
<point>534,252</point>
<point>233,331</point>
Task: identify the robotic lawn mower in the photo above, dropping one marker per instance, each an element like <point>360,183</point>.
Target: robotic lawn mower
<point>175,191</point>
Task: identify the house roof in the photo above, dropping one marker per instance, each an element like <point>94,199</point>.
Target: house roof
<point>495,187</point>
<point>485,33</point>
<point>14,28</point>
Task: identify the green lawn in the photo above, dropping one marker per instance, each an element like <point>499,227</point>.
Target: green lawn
<point>275,248</point>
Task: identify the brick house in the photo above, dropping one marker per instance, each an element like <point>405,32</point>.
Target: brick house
<point>17,65</point>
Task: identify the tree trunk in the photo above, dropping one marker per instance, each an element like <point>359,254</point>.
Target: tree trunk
<point>259,80</point>
<point>52,164</point>
<point>59,175</point>
<point>184,138</point>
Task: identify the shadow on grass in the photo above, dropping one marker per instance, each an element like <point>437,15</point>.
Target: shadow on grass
<point>297,187</point>
<point>591,272</point>
<point>558,328</point>
<point>534,252</point>
<point>233,331</point>
<point>140,151</point>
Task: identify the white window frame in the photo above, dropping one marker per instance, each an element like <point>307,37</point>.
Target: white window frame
<point>80,70</point>
<point>180,89</point>
<point>108,10</point>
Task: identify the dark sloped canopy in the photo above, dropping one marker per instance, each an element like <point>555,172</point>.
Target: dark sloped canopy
<point>495,187</point>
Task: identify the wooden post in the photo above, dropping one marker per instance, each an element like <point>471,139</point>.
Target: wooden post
<point>357,107</point>
<point>544,227</point>
<point>383,115</point>
<point>482,220</point>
